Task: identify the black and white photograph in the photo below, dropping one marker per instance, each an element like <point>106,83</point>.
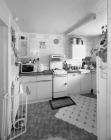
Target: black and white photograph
<point>55,70</point>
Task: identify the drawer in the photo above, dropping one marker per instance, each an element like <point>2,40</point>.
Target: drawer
<point>44,78</point>
<point>73,74</point>
<point>27,79</point>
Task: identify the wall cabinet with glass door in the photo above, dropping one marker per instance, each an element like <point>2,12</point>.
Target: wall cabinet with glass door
<point>23,45</point>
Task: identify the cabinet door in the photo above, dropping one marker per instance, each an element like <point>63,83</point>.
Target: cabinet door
<point>33,47</point>
<point>59,83</point>
<point>44,89</point>
<point>23,48</point>
<point>93,74</point>
<point>30,88</point>
<point>85,82</point>
<point>73,83</point>
<point>32,91</point>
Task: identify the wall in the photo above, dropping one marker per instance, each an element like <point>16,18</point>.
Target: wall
<point>3,69</point>
<point>6,20</point>
<point>64,46</point>
<point>3,59</point>
<point>4,12</point>
<point>51,48</point>
<point>91,42</point>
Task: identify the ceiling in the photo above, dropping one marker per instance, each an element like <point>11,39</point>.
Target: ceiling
<point>56,16</point>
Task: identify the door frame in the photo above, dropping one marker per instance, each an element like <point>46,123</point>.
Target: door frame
<point>108,81</point>
<point>109,74</point>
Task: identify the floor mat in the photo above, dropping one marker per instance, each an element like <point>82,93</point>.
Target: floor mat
<point>61,102</point>
<point>83,115</point>
<point>90,95</point>
<point>55,138</point>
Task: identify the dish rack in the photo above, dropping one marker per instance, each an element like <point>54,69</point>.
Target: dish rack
<point>18,111</point>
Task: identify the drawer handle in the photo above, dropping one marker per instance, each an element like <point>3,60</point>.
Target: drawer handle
<point>65,83</point>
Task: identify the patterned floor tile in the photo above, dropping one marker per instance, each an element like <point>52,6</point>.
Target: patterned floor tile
<point>43,125</point>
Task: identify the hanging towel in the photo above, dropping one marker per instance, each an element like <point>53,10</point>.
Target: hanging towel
<point>21,89</point>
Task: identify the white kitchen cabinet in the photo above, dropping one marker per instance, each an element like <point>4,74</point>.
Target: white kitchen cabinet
<point>29,87</point>
<point>23,46</point>
<point>44,89</point>
<point>32,91</point>
<point>27,79</point>
<point>85,82</point>
<point>44,86</point>
<point>94,81</point>
<point>37,87</point>
<point>73,83</point>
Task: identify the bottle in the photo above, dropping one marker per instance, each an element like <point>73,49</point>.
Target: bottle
<point>35,67</point>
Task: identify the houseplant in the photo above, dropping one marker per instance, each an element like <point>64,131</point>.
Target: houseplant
<point>101,51</point>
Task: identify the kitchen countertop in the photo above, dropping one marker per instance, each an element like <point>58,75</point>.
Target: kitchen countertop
<point>80,71</point>
<point>49,72</point>
<point>45,72</point>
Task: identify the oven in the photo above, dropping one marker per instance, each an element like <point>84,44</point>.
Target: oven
<point>59,85</point>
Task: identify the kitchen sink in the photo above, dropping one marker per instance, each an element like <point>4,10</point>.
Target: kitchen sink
<point>73,71</point>
<point>84,70</point>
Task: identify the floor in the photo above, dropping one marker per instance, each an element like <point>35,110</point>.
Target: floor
<point>43,125</point>
<point>83,114</point>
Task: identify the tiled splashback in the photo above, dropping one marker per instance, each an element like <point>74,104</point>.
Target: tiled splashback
<point>74,62</point>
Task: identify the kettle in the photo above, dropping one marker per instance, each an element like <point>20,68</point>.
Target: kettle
<point>40,67</point>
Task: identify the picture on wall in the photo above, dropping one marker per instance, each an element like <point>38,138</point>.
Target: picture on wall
<point>43,43</point>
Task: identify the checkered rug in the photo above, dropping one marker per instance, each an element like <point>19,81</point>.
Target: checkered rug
<point>83,114</point>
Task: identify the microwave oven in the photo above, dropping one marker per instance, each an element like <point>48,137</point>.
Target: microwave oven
<point>26,68</point>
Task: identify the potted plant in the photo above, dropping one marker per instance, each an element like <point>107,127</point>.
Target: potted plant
<point>101,51</point>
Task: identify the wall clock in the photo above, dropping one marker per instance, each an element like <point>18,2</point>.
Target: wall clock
<point>56,41</point>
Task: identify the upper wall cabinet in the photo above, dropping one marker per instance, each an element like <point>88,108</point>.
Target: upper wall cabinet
<point>23,45</point>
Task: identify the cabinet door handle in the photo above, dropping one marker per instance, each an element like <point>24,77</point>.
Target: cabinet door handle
<point>86,73</point>
<point>65,83</point>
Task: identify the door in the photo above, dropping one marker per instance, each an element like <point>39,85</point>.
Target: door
<point>73,83</point>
